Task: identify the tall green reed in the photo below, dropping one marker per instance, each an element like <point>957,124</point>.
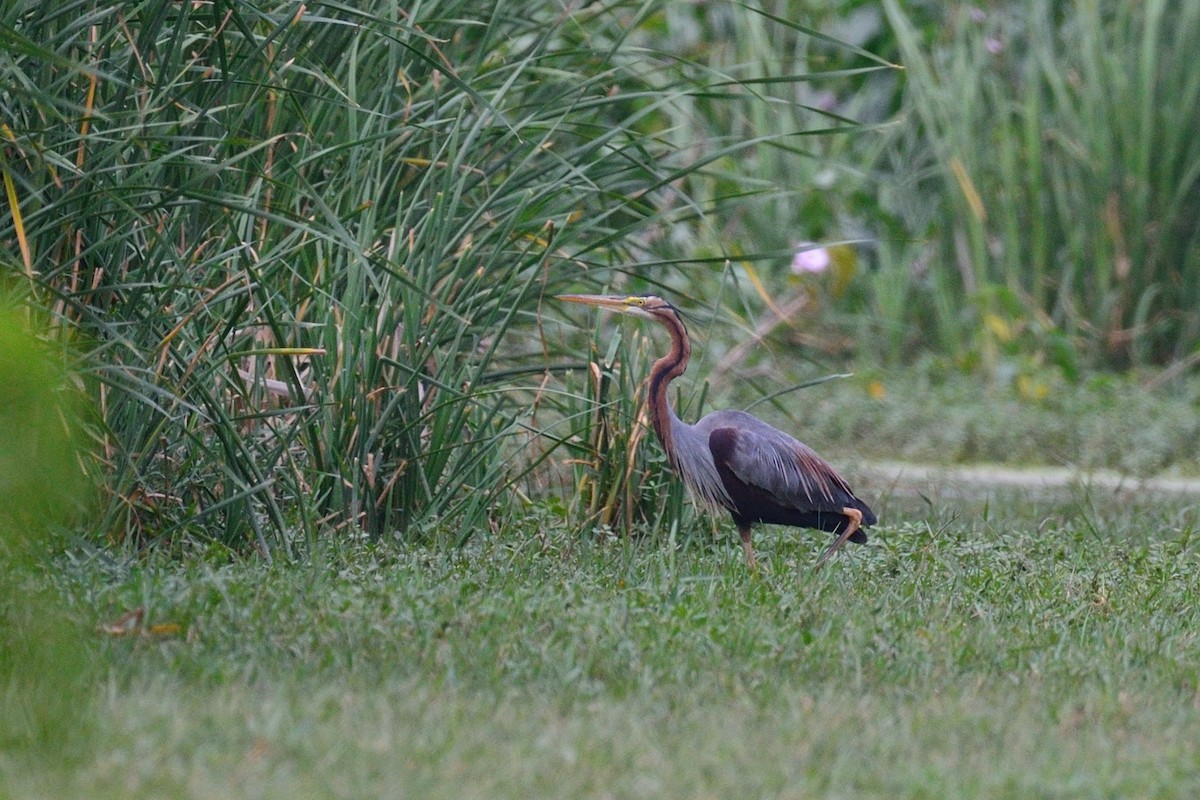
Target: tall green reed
<point>1058,148</point>
<point>302,246</point>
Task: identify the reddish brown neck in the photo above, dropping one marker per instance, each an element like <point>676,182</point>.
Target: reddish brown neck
<point>665,370</point>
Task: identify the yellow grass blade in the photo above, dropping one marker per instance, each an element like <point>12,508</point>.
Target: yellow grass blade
<point>10,190</point>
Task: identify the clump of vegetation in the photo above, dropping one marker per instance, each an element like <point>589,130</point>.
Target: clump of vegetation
<point>302,248</point>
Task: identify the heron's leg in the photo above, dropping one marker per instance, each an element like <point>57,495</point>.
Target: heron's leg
<point>854,522</point>
<point>744,530</point>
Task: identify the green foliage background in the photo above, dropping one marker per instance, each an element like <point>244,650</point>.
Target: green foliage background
<point>303,249</point>
<point>1055,173</point>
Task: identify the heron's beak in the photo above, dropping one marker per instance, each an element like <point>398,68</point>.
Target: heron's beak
<point>602,300</point>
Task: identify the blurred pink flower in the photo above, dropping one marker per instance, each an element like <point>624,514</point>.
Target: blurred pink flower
<point>812,259</point>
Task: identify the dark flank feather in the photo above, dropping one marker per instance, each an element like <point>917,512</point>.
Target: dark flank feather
<point>812,495</point>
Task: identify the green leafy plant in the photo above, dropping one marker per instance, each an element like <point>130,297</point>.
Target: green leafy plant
<point>44,666</point>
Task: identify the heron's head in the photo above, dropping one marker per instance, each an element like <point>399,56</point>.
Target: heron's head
<point>647,306</point>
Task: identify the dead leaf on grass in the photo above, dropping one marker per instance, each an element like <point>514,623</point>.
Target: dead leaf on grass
<point>131,624</point>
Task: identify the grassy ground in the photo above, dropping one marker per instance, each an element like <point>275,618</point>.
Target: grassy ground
<point>993,647</point>
<point>1105,421</point>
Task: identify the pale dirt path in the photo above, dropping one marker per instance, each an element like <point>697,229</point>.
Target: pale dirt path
<point>906,478</point>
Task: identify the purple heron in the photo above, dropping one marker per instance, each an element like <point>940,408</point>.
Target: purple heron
<point>735,461</point>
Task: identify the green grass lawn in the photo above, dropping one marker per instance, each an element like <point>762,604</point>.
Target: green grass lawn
<point>996,647</point>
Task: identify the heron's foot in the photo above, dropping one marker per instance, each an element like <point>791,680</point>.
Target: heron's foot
<point>854,518</point>
<point>751,561</point>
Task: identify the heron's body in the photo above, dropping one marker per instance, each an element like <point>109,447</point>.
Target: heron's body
<point>735,461</point>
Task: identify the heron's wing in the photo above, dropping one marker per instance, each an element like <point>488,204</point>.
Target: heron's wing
<point>776,463</point>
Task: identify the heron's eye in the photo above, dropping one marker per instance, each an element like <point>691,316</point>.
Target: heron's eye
<point>637,301</point>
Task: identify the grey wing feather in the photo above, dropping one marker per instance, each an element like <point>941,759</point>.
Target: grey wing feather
<point>779,464</point>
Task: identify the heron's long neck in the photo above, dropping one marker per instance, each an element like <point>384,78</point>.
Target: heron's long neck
<point>665,370</point>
